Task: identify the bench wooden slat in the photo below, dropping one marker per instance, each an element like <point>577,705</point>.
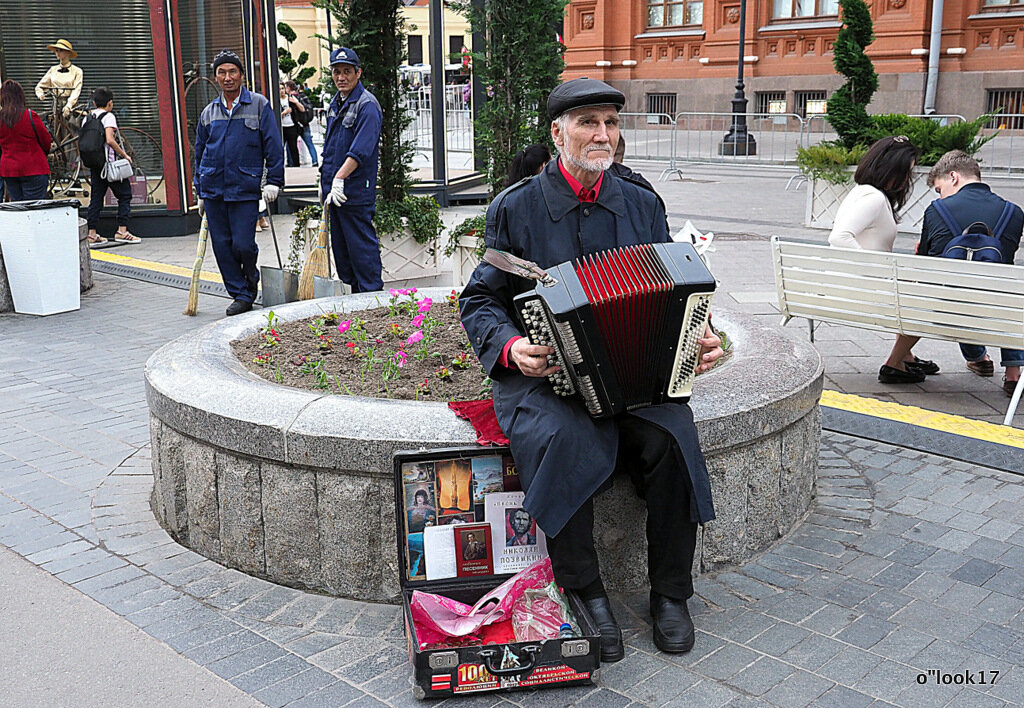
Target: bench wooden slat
<point>960,334</point>
<point>796,300</point>
<point>952,319</point>
<point>854,255</point>
<point>1007,316</point>
<point>823,265</point>
<point>839,293</point>
<point>826,314</point>
<point>964,295</point>
<point>948,278</point>
<point>813,281</point>
<point>955,266</point>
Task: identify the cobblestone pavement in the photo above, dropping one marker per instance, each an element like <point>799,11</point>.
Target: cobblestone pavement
<point>907,563</point>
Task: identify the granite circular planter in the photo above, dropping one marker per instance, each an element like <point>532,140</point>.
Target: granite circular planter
<point>297,487</point>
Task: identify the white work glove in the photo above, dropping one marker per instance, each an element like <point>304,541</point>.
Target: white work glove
<point>270,192</point>
<point>337,194</point>
<point>202,207</point>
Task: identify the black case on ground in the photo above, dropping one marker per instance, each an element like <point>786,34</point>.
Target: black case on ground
<point>439,673</point>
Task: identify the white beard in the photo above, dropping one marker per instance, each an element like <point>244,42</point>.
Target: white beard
<point>590,165</point>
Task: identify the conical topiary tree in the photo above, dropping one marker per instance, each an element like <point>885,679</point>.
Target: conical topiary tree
<point>847,108</point>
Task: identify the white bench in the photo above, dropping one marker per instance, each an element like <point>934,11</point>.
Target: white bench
<point>933,298</point>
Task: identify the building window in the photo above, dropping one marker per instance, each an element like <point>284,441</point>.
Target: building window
<point>663,104</point>
<point>771,102</point>
<point>673,13</point>
<point>1007,102</point>
<point>783,9</point>
<point>1000,3</point>
<point>415,49</point>
<point>455,43</point>
<point>811,103</point>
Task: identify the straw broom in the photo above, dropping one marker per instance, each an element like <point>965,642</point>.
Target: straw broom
<point>316,264</point>
<point>193,290</point>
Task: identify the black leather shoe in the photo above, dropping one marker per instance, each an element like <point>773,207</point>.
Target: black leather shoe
<point>673,628</point>
<point>611,636</point>
<point>892,375</point>
<point>922,366</point>
<point>238,307</point>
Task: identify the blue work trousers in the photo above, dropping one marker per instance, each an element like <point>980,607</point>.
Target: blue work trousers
<point>355,246</point>
<point>232,232</point>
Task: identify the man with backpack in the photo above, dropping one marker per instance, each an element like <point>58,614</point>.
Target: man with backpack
<point>970,222</point>
<point>98,145</point>
<point>302,114</point>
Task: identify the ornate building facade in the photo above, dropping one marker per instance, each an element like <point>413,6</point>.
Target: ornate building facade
<point>682,55</point>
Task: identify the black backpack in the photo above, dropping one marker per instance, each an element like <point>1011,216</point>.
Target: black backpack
<point>92,142</point>
<point>973,245</point>
<point>302,119</point>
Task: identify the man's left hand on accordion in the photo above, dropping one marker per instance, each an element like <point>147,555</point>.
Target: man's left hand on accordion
<point>710,350</point>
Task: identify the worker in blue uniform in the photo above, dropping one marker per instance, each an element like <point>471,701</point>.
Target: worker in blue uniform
<point>237,135</point>
<point>348,180</point>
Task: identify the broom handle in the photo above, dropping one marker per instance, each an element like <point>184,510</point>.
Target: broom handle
<point>273,232</point>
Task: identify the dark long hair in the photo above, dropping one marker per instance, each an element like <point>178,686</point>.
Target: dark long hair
<point>527,162</point>
<point>12,103</point>
<point>888,166</point>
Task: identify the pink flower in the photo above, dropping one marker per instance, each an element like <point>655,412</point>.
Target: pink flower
<point>343,326</point>
<point>394,293</point>
<point>425,305</point>
<point>400,358</point>
<point>417,321</point>
<point>414,337</point>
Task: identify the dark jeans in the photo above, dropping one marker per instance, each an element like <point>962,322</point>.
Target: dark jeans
<point>291,141</point>
<point>122,190</point>
<point>1009,357</point>
<point>307,137</point>
<point>660,476</point>
<point>25,189</point>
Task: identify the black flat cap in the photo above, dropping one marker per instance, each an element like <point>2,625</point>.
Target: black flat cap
<point>582,92</point>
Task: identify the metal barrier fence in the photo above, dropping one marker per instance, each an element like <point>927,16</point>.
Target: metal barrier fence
<point>458,119</point>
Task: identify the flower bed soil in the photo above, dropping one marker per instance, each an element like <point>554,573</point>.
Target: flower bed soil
<point>410,348</point>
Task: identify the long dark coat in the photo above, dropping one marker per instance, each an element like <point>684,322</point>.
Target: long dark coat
<point>564,456</point>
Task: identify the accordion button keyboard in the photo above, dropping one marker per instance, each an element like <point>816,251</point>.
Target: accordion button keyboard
<point>538,331</point>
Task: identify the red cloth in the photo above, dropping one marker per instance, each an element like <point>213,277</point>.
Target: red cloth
<point>481,415</point>
<point>503,359</point>
<point>581,192</point>
<point>23,155</point>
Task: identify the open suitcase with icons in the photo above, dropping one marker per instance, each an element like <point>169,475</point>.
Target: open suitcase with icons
<point>447,500</point>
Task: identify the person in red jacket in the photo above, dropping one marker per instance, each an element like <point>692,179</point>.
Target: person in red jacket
<point>24,143</point>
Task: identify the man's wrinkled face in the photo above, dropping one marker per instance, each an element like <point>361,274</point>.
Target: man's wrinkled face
<point>229,78</point>
<point>588,138</point>
<point>345,77</point>
<point>520,522</point>
<point>946,185</point>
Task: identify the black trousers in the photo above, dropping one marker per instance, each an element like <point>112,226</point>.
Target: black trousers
<point>291,143</point>
<point>649,455</point>
<point>122,190</point>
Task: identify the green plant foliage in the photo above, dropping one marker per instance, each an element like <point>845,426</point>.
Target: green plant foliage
<point>293,68</point>
<point>375,30</point>
<point>829,161</point>
<point>298,241</point>
<point>473,226</point>
<point>520,65</point>
<point>847,107</point>
<point>421,215</point>
<point>932,138</point>
<point>286,31</point>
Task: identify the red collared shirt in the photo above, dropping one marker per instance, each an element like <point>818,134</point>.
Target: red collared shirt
<point>585,196</point>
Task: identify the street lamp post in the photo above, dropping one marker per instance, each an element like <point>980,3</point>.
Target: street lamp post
<point>738,141</point>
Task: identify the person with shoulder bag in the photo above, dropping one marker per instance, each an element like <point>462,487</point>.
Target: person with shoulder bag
<point>108,163</point>
<point>24,144</point>
<point>303,115</point>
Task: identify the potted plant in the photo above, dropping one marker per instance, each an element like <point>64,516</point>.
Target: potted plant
<point>465,247</point>
<point>829,164</point>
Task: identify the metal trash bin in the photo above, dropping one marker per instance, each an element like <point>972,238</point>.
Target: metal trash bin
<point>39,241</point>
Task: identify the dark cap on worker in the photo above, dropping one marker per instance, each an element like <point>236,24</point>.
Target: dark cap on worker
<point>583,92</point>
<point>226,56</point>
<point>344,55</point>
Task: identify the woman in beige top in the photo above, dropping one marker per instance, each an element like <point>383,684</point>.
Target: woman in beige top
<point>867,219</point>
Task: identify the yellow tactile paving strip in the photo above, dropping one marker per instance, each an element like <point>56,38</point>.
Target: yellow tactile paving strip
<point>153,265</point>
<point>942,422</point>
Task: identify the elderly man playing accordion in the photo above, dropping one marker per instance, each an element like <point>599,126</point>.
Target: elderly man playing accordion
<point>564,457</point>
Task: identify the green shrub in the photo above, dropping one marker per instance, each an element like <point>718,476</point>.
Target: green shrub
<point>847,107</point>
<point>473,226</point>
<point>828,161</point>
<point>421,215</point>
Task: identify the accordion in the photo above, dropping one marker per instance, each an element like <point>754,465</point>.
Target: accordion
<point>623,324</point>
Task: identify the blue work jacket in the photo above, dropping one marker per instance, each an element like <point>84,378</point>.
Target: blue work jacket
<point>353,130</point>
<point>231,150</point>
<point>542,220</point>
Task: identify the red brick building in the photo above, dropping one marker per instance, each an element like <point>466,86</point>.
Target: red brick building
<point>684,52</point>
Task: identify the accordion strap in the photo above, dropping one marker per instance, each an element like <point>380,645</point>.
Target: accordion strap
<point>502,260</point>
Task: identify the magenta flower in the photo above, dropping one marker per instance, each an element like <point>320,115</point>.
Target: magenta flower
<point>400,358</point>
<point>417,321</point>
<point>344,326</point>
<point>425,305</point>
<point>411,291</point>
<point>394,293</point>
<point>414,337</point>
